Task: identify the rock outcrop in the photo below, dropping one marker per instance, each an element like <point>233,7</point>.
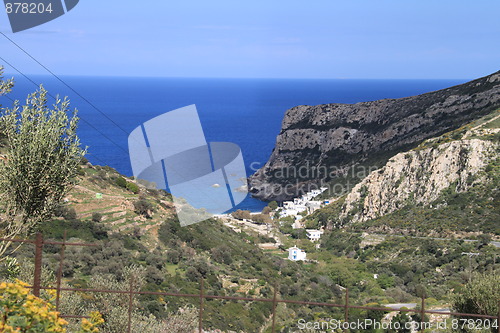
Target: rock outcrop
<point>317,141</point>
<point>418,177</point>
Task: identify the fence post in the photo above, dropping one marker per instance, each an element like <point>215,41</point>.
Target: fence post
<point>130,296</point>
<point>274,308</point>
<point>59,272</point>
<point>346,307</point>
<point>38,264</point>
<point>200,319</point>
<point>422,313</point>
<point>498,319</point>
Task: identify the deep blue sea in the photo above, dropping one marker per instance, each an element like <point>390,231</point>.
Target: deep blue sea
<point>247,112</point>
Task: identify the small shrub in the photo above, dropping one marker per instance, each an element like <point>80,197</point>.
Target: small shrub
<point>24,312</point>
<point>59,211</point>
<point>80,171</point>
<point>70,214</point>
<point>96,217</point>
<point>102,175</point>
<point>222,255</point>
<point>143,207</point>
<point>132,187</point>
<point>193,275</point>
<point>120,181</point>
<point>241,214</point>
<point>173,256</point>
<point>273,205</point>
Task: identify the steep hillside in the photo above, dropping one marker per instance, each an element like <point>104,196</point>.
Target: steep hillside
<point>122,204</point>
<point>136,228</point>
<point>317,143</point>
<point>448,184</point>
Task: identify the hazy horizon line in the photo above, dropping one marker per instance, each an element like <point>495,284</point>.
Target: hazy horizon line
<point>6,75</point>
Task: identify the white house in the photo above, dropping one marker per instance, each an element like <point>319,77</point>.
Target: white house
<point>313,206</point>
<point>300,208</point>
<point>315,193</point>
<point>292,210</point>
<point>296,254</point>
<point>297,224</point>
<point>288,212</point>
<point>314,235</point>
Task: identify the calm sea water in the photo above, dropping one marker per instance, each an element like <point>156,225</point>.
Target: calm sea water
<point>247,112</point>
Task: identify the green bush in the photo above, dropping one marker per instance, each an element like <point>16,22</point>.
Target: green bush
<point>132,187</point>
<point>143,207</point>
<point>120,181</point>
<point>479,296</point>
<point>96,217</point>
<point>23,312</point>
<point>70,214</point>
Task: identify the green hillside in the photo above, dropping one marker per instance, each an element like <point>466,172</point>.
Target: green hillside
<point>454,213</point>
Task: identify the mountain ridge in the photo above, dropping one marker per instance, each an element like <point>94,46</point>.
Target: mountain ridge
<point>343,135</point>
<point>447,185</point>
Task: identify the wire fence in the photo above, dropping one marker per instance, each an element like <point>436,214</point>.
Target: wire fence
<point>39,243</point>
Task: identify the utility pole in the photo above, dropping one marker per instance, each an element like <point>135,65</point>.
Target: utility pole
<point>470,255</point>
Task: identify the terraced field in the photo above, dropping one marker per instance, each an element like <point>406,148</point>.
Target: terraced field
<point>99,192</point>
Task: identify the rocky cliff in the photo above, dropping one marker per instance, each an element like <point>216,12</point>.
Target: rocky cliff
<point>447,185</point>
<point>318,142</point>
<point>418,177</point>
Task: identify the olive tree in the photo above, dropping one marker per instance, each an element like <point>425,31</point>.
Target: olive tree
<point>479,296</point>
<point>40,164</point>
<point>5,86</point>
<point>114,307</point>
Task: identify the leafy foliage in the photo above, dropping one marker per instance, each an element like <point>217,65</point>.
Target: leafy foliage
<point>241,214</point>
<point>479,296</point>
<point>132,187</point>
<point>42,161</point>
<point>143,207</point>
<point>23,312</point>
<point>120,181</point>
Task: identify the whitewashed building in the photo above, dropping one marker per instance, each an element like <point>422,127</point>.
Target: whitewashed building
<point>292,210</point>
<point>296,254</point>
<point>313,206</point>
<point>304,203</point>
<point>314,235</point>
<point>297,224</point>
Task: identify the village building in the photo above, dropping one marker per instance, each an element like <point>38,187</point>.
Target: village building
<point>296,254</point>
<point>314,235</point>
<point>313,206</point>
<point>302,204</point>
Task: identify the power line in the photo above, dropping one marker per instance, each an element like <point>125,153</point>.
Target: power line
<point>8,97</point>
<point>92,126</point>
<point>78,94</point>
<point>85,121</point>
<point>67,85</point>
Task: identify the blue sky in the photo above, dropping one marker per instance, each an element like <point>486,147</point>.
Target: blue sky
<point>265,39</point>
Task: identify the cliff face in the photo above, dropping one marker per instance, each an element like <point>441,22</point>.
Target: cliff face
<point>332,137</point>
<point>418,177</point>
